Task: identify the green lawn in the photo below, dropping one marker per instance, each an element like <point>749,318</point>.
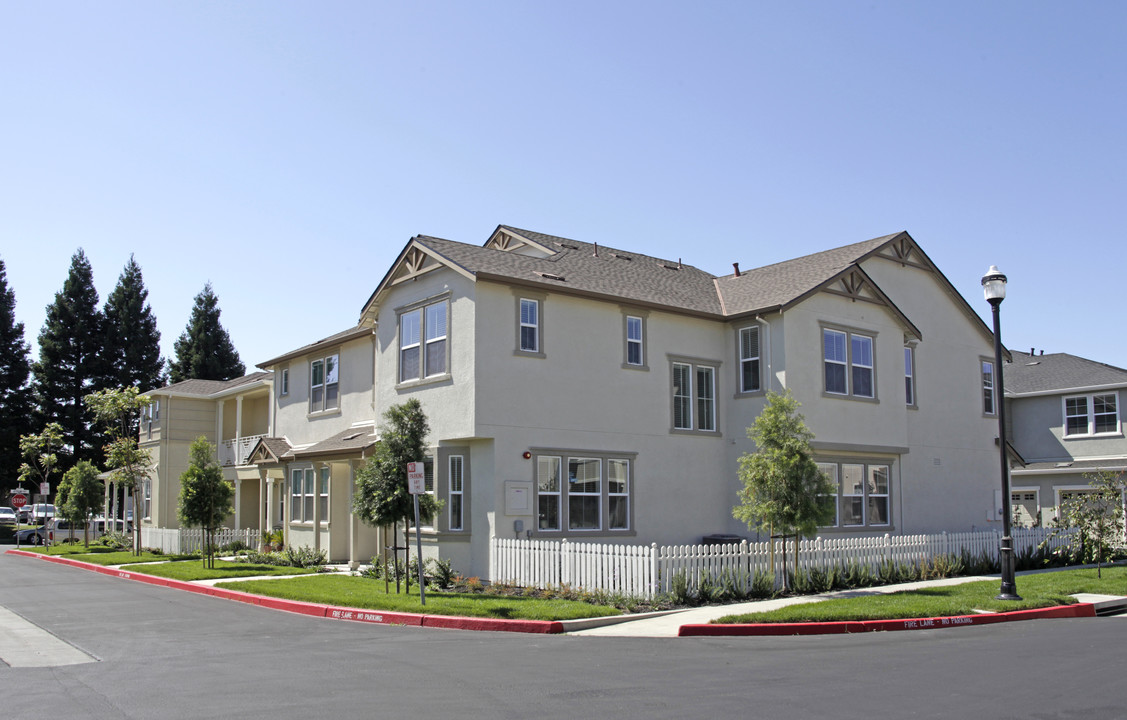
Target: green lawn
<point>101,555</point>
<point>189,571</point>
<point>358,592</point>
<point>1037,591</point>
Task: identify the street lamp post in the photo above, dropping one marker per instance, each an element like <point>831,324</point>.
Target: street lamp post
<point>994,288</point>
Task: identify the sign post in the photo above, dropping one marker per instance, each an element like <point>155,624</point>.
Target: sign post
<point>19,499</point>
<point>417,485</point>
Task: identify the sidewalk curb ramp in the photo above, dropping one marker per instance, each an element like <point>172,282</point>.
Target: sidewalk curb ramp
<point>860,626</point>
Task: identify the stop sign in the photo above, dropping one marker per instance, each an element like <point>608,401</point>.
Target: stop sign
<point>18,501</point>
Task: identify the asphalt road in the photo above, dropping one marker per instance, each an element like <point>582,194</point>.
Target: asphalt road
<point>162,653</point>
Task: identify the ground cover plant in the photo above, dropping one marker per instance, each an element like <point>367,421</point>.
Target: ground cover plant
<point>1036,589</point>
<point>221,569</point>
<point>360,592</point>
<point>108,556</point>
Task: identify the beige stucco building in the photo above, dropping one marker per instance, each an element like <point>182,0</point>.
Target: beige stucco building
<point>600,394</point>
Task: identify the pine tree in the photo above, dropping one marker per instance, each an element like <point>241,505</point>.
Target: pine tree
<point>15,393</point>
<point>132,337</point>
<point>204,350</point>
<point>71,364</point>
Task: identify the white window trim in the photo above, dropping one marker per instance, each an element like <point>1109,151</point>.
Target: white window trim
<point>460,493</point>
<point>840,495</point>
<point>693,424</point>
<point>850,363</point>
<point>910,396</point>
<point>564,457</point>
<point>421,308</point>
<point>521,296</point>
<point>993,388</point>
<point>1090,401</point>
<point>757,359</point>
<point>534,324</point>
<point>324,384</point>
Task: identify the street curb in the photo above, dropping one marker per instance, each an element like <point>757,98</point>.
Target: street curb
<point>859,626</point>
<point>329,612</point>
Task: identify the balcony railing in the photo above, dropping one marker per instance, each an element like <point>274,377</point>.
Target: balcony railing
<point>237,450</point>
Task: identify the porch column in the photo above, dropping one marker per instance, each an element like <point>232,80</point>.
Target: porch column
<point>238,499</point>
<point>263,501</point>
<point>219,423</point>
<point>238,418</point>
<point>353,563</point>
<point>317,467</point>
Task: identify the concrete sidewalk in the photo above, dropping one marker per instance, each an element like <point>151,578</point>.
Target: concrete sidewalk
<point>668,624</point>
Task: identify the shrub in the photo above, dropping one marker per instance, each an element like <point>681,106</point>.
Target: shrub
<point>679,589</point>
<point>304,557</point>
<point>706,591</point>
<point>443,570</point>
<point>116,541</point>
<point>762,585</point>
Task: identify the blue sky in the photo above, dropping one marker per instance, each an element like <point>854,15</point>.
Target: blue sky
<point>287,151</point>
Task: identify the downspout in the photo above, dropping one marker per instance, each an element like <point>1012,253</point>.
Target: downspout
<point>765,351</point>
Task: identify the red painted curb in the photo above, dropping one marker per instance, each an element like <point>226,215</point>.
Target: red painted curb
<point>330,612</point>
<point>858,626</point>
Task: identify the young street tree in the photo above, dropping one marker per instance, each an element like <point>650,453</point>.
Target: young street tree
<point>132,338</point>
<point>40,452</point>
<point>1095,518</point>
<point>205,497</point>
<point>15,393</point>
<point>80,494</point>
<point>204,350</point>
<point>381,497</point>
<point>128,463</point>
<point>784,491</point>
<point>71,363</point>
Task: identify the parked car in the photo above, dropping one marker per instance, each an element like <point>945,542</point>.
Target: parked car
<point>8,517</point>
<point>31,536</point>
<point>39,512</point>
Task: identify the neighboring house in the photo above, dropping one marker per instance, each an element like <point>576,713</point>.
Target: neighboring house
<point>583,392</point>
<point>231,414</point>
<point>1065,420</point>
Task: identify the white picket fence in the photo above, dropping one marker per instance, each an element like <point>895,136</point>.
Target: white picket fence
<point>180,541</point>
<point>645,570</point>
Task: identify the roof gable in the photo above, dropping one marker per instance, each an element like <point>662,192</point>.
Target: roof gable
<point>1059,373</point>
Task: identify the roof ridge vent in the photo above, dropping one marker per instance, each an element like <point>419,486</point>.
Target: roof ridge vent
<point>569,247</point>
<point>620,256</point>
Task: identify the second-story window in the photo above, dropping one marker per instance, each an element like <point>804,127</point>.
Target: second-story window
<point>284,384</point>
<point>749,359</point>
<point>1091,415</point>
<point>987,387</point>
<point>694,397</point>
<point>529,325</point>
<point>422,342</point>
<point>909,377</point>
<point>848,363</point>
<point>324,384</point>
<point>634,340</point>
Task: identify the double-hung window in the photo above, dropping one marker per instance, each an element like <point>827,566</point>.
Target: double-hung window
<point>909,377</point>
<point>583,492</point>
<point>1091,415</point>
<point>694,397</point>
<point>302,495</point>
<point>456,491</point>
<point>422,342</point>
<point>529,325</point>
<point>284,383</point>
<point>988,387</point>
<point>147,499</point>
<point>848,363</point>
<point>324,383</point>
<point>862,493</point>
<point>634,344</point>
<point>749,360</point>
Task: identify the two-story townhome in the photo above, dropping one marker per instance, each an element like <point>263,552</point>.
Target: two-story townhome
<point>231,414</point>
<point>1064,420</point>
<point>590,393</point>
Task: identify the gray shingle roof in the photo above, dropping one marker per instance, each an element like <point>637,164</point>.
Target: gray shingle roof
<point>612,273</point>
<point>204,388</point>
<point>334,339</point>
<point>352,440</point>
<point>1058,371</point>
<point>774,286</point>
